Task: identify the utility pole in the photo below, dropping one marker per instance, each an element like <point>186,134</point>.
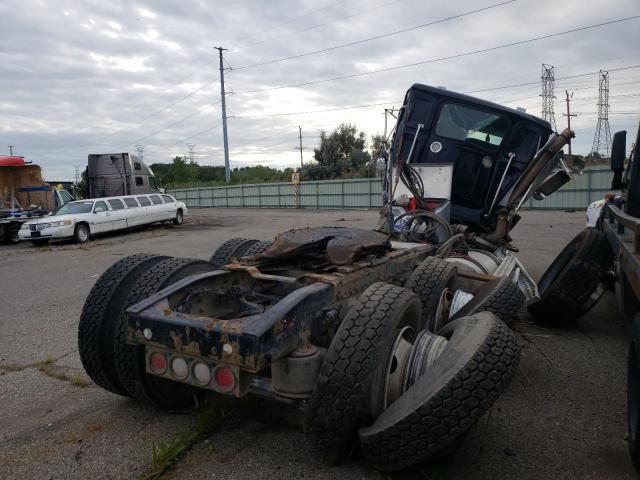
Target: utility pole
<point>227,168</point>
<point>548,85</point>
<point>11,150</point>
<point>300,138</point>
<point>569,115</point>
<point>602,137</point>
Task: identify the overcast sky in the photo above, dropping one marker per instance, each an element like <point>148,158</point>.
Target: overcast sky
<point>80,77</point>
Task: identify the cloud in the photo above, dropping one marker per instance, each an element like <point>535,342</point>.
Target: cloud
<point>75,72</point>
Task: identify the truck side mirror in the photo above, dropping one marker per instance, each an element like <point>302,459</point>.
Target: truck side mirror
<point>618,148</point>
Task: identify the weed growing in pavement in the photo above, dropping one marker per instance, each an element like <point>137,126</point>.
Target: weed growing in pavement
<point>165,453</point>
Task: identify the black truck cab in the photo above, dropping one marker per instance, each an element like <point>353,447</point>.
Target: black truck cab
<point>477,137</point>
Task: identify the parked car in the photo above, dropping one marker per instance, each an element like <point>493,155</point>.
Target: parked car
<point>594,209</point>
<point>83,218</point>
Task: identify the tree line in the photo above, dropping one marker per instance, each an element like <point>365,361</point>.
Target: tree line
<point>342,153</point>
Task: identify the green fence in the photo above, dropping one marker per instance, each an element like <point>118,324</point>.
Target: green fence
<point>360,193</point>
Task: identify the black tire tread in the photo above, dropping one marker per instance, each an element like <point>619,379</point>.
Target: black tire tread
<point>444,419</point>
<point>340,397</point>
<point>257,248</point>
<point>428,280</point>
<point>130,361</point>
<point>564,299</point>
<point>96,319</point>
<point>234,247</point>
<point>505,302</point>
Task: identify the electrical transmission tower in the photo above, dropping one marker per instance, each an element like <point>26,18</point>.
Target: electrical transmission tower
<point>191,146</point>
<point>548,85</point>
<point>140,149</point>
<point>602,137</point>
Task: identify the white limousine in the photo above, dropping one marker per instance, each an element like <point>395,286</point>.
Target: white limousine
<point>83,218</point>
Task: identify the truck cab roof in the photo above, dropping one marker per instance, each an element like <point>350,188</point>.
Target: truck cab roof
<point>477,137</point>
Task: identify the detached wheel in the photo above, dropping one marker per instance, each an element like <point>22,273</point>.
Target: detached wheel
<point>99,319</point>
<point>501,296</point>
<point>573,283</point>
<point>130,360</point>
<point>233,248</point>
<point>434,282</point>
<point>179,220</point>
<point>450,382</point>
<point>347,388</point>
<point>81,233</point>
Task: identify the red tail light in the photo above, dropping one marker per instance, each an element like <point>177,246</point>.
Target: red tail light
<point>224,379</point>
<point>158,363</point>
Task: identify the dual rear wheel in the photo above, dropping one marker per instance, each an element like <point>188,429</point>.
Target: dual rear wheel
<point>401,392</point>
<point>102,334</point>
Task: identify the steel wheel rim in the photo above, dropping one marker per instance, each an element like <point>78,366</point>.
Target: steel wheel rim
<point>441,314</point>
<point>396,366</point>
<point>82,234</point>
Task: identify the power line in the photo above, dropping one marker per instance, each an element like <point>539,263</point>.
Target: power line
<point>291,20</point>
<point>377,37</point>
<point>317,111</point>
<point>138,140</point>
<point>318,25</point>
<point>140,122</point>
<point>449,57</point>
<point>209,129</point>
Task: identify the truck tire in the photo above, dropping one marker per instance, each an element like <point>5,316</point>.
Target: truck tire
<point>341,396</point>
<point>130,359</point>
<point>232,248</point>
<point>257,248</point>
<point>97,327</point>
<point>429,280</point>
<point>572,283</point>
<point>439,409</point>
<point>501,296</point>
<point>81,233</point>
<point>633,393</point>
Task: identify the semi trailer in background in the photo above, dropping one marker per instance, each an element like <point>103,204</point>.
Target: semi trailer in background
<point>116,174</point>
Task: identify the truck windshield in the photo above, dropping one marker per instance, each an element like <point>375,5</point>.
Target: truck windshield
<point>460,122</point>
<point>75,207</point>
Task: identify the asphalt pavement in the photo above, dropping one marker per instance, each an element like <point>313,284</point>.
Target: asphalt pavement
<point>564,415</point>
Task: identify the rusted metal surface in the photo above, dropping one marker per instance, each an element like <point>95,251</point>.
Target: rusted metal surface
<point>625,221</point>
<point>340,246</point>
<point>625,244</point>
<point>197,316</point>
<point>250,342</point>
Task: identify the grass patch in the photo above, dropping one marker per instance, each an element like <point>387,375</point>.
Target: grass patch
<point>78,381</point>
<point>12,367</point>
<point>165,453</point>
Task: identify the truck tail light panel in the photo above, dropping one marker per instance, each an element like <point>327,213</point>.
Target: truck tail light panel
<point>194,371</point>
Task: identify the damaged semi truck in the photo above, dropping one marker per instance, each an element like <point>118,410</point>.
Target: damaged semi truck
<point>394,340</point>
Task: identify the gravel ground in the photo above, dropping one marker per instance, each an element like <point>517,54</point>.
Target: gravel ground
<point>563,416</point>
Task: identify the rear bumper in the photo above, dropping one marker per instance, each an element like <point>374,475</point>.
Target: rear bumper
<point>250,343</point>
